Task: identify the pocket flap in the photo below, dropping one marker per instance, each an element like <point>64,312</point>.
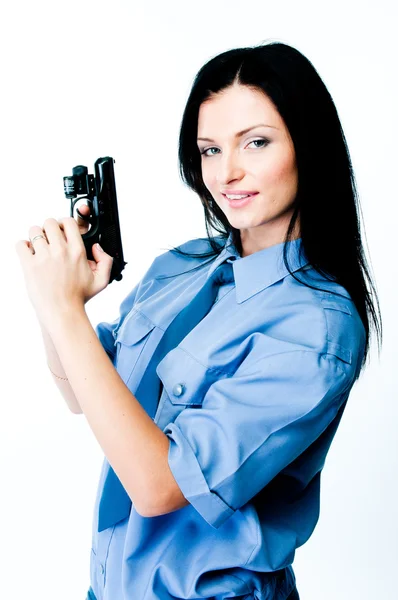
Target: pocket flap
<point>134,327</point>
<point>185,380</point>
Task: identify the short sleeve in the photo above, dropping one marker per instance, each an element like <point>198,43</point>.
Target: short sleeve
<point>250,426</point>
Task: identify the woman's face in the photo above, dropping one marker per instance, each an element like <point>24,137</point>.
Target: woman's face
<point>261,160</point>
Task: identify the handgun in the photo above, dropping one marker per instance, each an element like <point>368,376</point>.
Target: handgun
<point>100,192</point>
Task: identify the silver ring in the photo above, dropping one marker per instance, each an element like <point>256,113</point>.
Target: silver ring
<point>36,237</point>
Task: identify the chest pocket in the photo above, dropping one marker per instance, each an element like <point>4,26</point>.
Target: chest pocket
<point>185,384</point>
<point>184,378</point>
<point>131,341</point>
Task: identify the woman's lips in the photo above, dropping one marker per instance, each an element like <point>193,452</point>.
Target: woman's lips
<point>239,203</point>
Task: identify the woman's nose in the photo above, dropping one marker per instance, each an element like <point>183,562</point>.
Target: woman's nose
<point>229,168</point>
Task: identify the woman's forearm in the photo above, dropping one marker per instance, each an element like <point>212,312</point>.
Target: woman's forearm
<point>58,373</point>
<point>136,448</point>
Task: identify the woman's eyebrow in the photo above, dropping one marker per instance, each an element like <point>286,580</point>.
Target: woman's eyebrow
<point>206,139</point>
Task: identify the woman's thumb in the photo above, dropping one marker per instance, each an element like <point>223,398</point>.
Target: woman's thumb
<point>101,252</point>
<point>104,261</point>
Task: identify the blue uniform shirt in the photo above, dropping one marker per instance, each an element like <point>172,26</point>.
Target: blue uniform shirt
<point>251,401</point>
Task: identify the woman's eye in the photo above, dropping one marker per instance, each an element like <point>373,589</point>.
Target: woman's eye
<point>262,141</point>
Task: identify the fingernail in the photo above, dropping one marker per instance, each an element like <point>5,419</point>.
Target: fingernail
<point>99,248</point>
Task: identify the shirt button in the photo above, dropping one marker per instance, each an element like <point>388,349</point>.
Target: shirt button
<point>102,569</point>
<point>178,389</point>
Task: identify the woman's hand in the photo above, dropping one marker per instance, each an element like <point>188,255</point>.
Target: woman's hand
<point>58,276</point>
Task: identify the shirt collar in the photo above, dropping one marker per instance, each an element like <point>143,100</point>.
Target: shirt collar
<point>259,270</point>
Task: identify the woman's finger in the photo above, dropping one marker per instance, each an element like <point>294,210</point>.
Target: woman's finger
<point>83,213</point>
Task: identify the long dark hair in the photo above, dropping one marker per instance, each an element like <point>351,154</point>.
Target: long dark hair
<point>327,198</point>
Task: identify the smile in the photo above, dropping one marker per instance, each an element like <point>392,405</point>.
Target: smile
<point>239,203</point>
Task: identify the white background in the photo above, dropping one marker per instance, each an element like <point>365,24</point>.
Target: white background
<point>87,79</point>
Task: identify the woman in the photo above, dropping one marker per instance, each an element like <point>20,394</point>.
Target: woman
<point>208,491</point>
